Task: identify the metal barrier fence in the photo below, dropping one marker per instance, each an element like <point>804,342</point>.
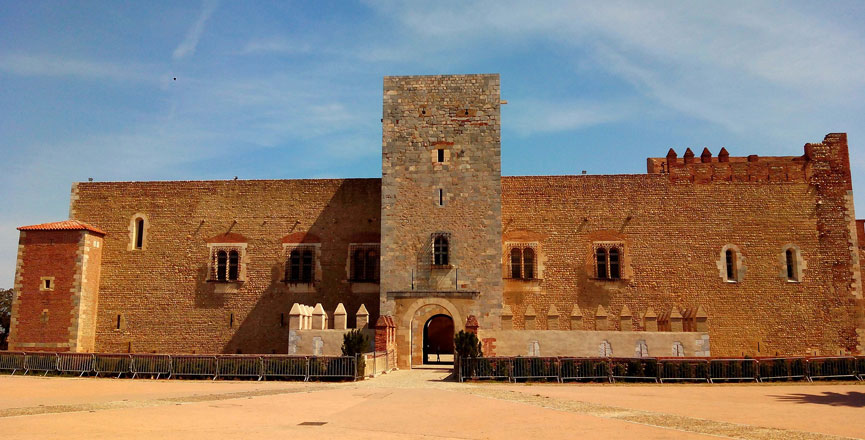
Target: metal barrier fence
<point>332,367</point>
<point>661,369</point>
<point>168,366</point>
<point>118,364</point>
<point>584,369</point>
<point>684,369</point>
<point>41,361</point>
<point>377,362</point>
<point>11,361</point>
<point>783,369</point>
<point>732,369</point>
<point>633,369</point>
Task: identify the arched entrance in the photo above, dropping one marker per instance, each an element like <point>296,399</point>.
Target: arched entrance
<point>438,340</point>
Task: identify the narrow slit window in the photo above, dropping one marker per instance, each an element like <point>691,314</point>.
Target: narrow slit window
<point>231,320</point>
<point>139,233</point>
<point>602,263</point>
<point>731,267</point>
<point>614,264</point>
<point>529,263</point>
<point>117,324</point>
<point>441,197</point>
<point>47,284</point>
<point>282,319</point>
<point>440,155</point>
<point>233,265</point>
<point>516,261</point>
<point>792,273</point>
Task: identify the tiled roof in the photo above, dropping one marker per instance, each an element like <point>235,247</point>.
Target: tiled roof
<point>65,225</point>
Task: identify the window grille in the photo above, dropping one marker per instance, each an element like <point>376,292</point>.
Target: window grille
<point>441,249</point>
<point>364,262</point>
<point>300,265</point>
<point>225,263</point>
<point>523,261</point>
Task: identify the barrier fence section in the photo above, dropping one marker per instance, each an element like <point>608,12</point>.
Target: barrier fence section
<point>679,369</point>
<point>285,366</point>
<point>634,369</point>
<point>333,367</point>
<point>377,362</point>
<point>783,369</point>
<point>153,365</point>
<point>661,369</point>
<point>108,363</point>
<point>41,361</point>
<point>11,361</point>
<point>239,366</point>
<point>81,363</point>
<point>732,369</point>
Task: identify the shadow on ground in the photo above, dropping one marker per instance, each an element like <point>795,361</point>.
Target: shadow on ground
<point>853,399</point>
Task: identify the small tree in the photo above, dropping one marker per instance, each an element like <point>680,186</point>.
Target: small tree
<point>354,343</point>
<point>467,344</point>
<point>5,315</point>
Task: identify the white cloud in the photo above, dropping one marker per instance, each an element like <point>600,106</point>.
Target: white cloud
<point>275,45</point>
<point>531,116</point>
<point>190,42</point>
<point>50,65</point>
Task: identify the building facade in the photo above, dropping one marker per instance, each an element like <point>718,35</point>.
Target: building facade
<point>760,255</point>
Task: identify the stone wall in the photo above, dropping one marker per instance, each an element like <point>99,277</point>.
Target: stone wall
<point>161,293</point>
<point>455,192</point>
<point>587,343</point>
<point>321,342</point>
<point>673,232</point>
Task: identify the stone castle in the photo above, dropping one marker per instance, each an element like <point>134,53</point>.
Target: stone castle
<point>759,255</point>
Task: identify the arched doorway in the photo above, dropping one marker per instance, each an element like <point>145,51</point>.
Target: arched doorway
<point>438,340</point>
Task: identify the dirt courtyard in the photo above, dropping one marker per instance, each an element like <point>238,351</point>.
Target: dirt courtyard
<point>418,404</point>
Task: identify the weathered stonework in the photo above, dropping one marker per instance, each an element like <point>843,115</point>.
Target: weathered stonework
<point>441,176</point>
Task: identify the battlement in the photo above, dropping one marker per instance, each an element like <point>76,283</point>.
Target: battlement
<point>753,168</point>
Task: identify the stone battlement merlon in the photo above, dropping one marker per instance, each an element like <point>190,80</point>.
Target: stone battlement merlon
<point>753,168</point>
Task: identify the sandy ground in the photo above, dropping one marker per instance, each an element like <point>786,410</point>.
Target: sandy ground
<point>419,404</point>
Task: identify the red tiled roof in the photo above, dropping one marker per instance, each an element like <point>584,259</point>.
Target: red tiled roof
<point>65,225</point>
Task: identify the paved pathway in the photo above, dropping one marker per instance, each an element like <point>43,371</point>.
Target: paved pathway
<point>421,404</point>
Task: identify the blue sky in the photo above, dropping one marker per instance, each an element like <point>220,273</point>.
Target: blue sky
<point>293,89</point>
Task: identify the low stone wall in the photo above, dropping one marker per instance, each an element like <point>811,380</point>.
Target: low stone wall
<point>312,342</point>
<point>588,343</point>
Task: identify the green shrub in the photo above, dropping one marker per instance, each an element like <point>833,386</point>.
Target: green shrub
<point>355,343</point>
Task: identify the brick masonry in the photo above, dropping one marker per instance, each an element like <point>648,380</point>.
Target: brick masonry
<point>672,224</point>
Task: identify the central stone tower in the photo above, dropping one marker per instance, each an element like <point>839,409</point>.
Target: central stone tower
<point>441,205</point>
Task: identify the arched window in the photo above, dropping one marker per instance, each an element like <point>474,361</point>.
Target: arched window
<point>614,264</point>
<point>602,263</point>
<point>440,251</point>
<point>529,263</point>
<point>516,262</point>
<point>233,265</point>
<point>221,261</point>
<point>678,349</point>
<point>605,349</point>
<point>139,233</point>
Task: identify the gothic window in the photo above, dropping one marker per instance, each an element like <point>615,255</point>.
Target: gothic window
<point>522,261</point>
<point>364,262</point>
<point>441,250</point>
<point>139,233</point>
<point>225,263</point>
<point>516,262</point>
<point>300,266</point>
<point>138,227</point>
<point>608,261</point>
<point>730,261</point>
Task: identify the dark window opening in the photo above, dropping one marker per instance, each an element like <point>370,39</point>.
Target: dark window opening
<point>282,319</point>
<point>441,154</point>
<point>365,264</point>
<point>516,257</point>
<point>233,265</point>
<point>221,261</point>
<point>139,233</point>
<point>47,284</point>
<point>371,265</point>
<point>614,264</point>
<point>300,267</point>
<point>602,263</point>
<point>791,265</point>
<point>231,320</point>
<point>441,197</point>
<point>118,322</point>
<point>359,264</point>
<point>440,251</point>
<point>731,269</point>
<point>529,264</point>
